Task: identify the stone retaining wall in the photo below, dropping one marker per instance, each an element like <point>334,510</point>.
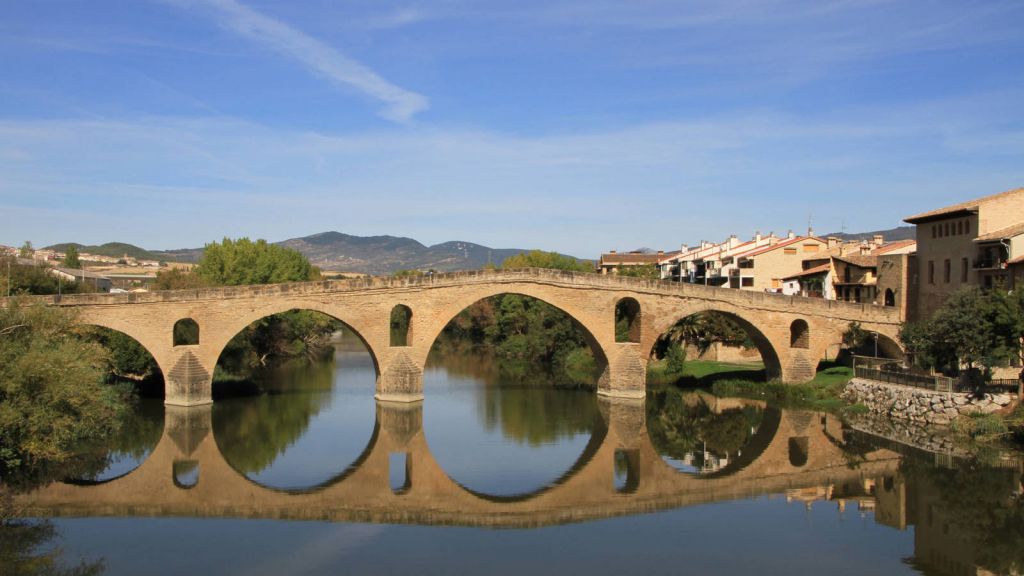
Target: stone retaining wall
<point>918,404</point>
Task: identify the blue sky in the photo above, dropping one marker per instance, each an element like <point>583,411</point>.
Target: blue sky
<point>575,125</point>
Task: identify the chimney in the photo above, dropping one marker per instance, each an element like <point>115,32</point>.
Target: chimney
<point>611,251</point>
<point>790,235</point>
<point>684,248</point>
<point>833,242</point>
<point>661,252</point>
<point>810,231</point>
<point>757,236</point>
<point>878,240</point>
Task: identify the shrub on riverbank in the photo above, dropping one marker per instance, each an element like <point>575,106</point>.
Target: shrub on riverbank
<point>53,390</point>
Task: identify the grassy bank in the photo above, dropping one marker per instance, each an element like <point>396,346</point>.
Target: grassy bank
<point>749,380</point>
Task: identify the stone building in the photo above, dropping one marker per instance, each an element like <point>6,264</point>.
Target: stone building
<point>975,243</point>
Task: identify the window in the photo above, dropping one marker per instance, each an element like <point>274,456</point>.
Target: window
<point>965,266</point>
<point>960,227</point>
<point>846,273</point>
<point>935,231</point>
<point>946,270</point>
<point>747,282</point>
<point>931,272</point>
<point>789,251</point>
<point>810,247</point>
<point>967,226</point>
<point>945,229</point>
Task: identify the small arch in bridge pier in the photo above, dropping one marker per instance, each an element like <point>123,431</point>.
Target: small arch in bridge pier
<point>799,334</point>
<point>627,320</point>
<point>185,473</point>
<point>798,451</point>
<point>400,472</point>
<point>186,332</point>
<point>401,325</point>
<point>627,471</point>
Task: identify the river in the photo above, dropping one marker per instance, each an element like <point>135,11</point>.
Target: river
<point>491,475</point>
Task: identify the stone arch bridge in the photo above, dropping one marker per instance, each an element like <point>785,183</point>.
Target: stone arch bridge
<point>792,333</point>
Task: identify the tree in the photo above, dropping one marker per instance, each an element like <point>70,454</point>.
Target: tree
<point>26,251</point>
<point>242,261</point>
<point>52,391</point>
<point>177,279</point>
<point>71,258</point>
<point>550,260</point>
<point>971,328</point>
<point>645,272</point>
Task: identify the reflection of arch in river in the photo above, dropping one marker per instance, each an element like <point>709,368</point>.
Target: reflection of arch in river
<point>430,497</point>
<point>137,439</point>
<point>589,451</point>
<point>328,483</point>
<point>751,450</point>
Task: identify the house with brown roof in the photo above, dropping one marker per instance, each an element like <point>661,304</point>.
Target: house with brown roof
<point>612,262</point>
<point>765,268</point>
<point>867,272</point>
<point>975,243</point>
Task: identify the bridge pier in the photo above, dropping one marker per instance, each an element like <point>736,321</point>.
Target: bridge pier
<point>400,379</point>
<point>188,376</point>
<point>625,376</point>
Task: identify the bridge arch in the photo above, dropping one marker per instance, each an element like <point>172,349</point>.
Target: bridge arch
<point>764,344</point>
<point>227,331</point>
<point>586,322</point>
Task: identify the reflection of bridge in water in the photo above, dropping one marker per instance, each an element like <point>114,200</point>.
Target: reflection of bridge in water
<point>619,473</point>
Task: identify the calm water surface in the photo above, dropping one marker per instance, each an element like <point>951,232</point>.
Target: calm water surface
<point>491,476</point>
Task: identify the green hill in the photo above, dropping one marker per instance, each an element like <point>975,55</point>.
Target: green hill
<point>112,249</point>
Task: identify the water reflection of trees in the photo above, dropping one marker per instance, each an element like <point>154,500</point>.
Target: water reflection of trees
<point>139,433</point>
<point>528,405</point>
<point>26,548</point>
<point>683,426</point>
<point>982,507</point>
<point>253,432</point>
<point>538,415</point>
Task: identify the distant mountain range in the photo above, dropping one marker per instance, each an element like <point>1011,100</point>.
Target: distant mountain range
<point>111,249</point>
<point>382,255</point>
<point>890,235</point>
<point>378,254</point>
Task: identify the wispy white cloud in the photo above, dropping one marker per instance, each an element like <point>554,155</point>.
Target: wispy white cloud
<point>317,56</point>
<point>653,184</point>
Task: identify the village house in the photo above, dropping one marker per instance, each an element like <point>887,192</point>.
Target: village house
<point>709,263</point>
<point>975,243</point>
<point>612,262</point>
<point>100,282</point>
<point>764,269</point>
<point>865,272</point>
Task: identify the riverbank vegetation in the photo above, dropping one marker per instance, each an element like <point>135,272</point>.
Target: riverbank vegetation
<point>973,330</point>
<point>54,393</point>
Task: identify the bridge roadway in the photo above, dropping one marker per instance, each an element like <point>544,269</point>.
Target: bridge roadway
<point>792,333</point>
<point>791,450</point>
